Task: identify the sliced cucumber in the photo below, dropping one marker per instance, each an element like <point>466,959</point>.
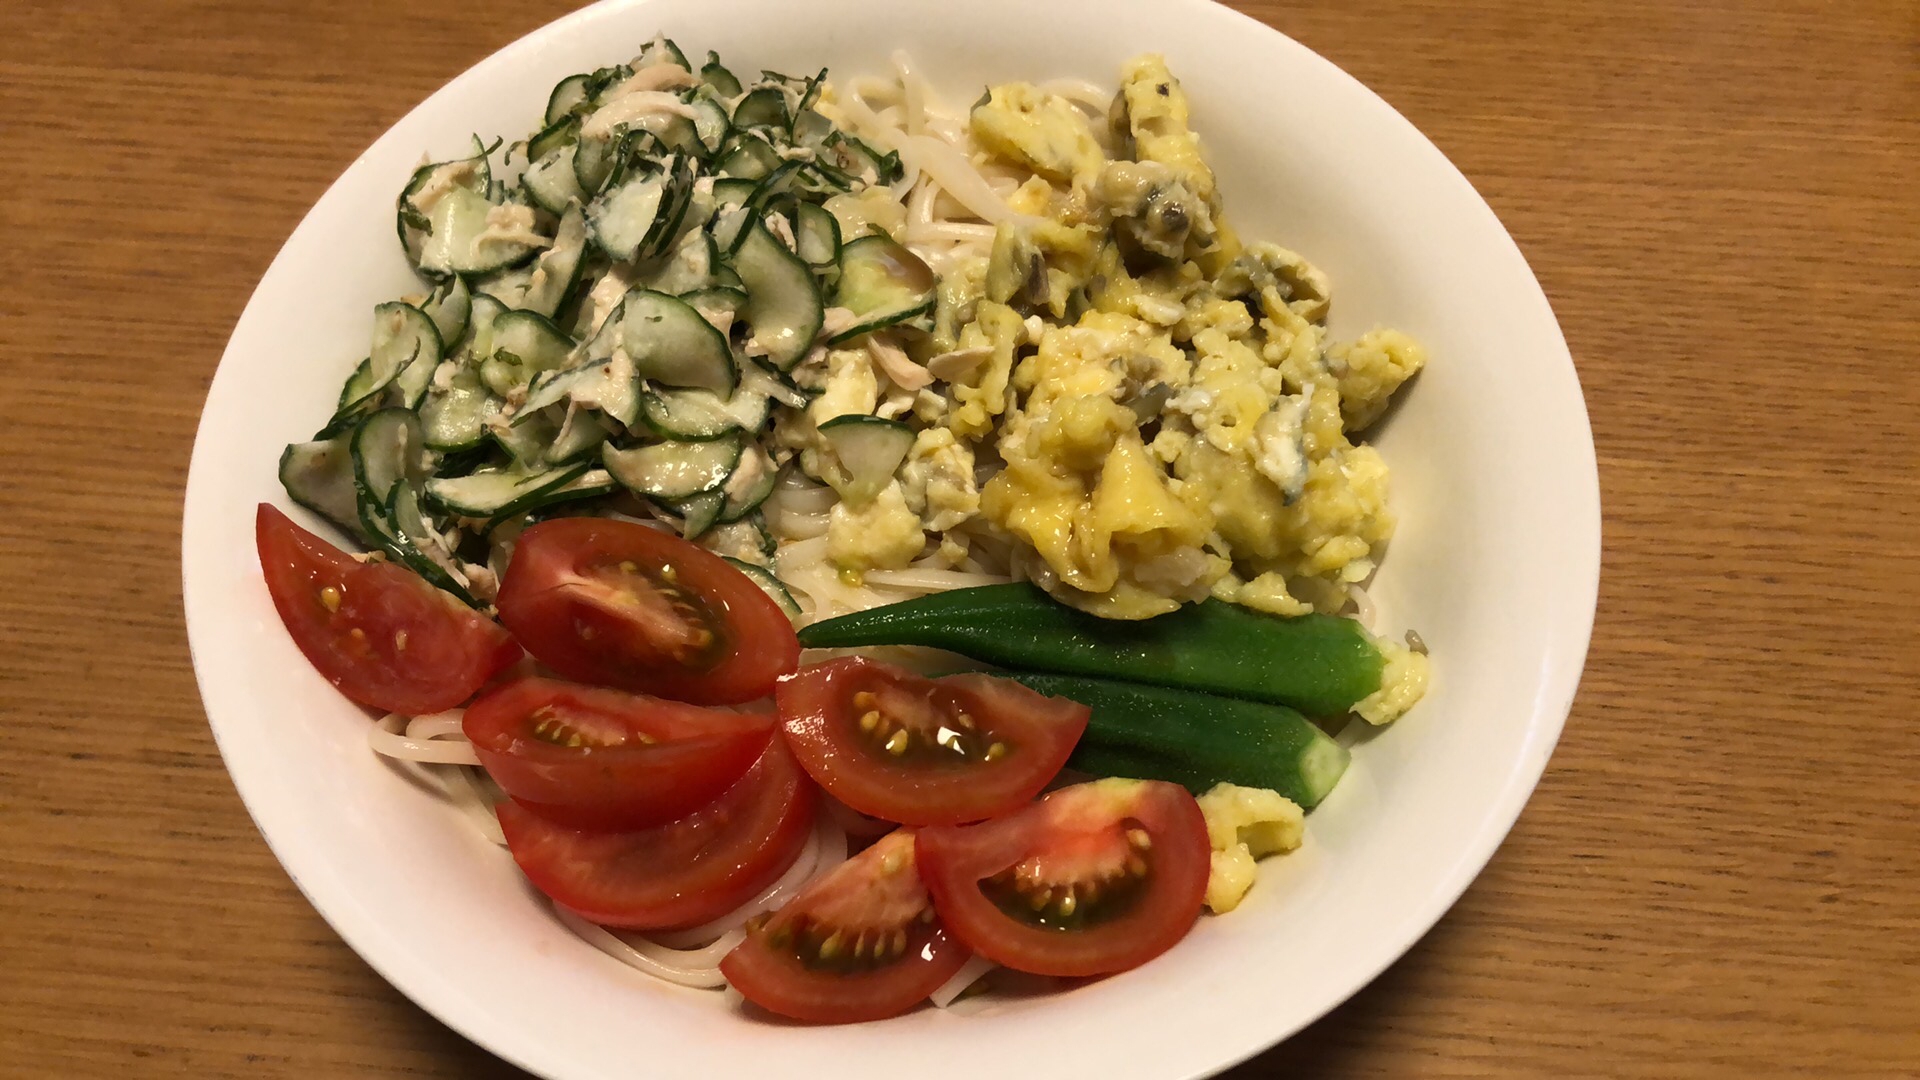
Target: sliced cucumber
<point>769,584</point>
<point>418,545</point>
<point>783,301</point>
<point>733,191</point>
<point>883,284</point>
<point>746,540</point>
<point>702,414</point>
<point>688,267</point>
<point>608,386</point>
<point>674,471</point>
<point>483,311</point>
<point>508,286</point>
<point>557,271</point>
<point>450,308</point>
<point>567,98</point>
<point>427,185</point>
<point>554,136</point>
<point>459,241</point>
<point>816,235</point>
<point>748,156</point>
<point>627,216</point>
<point>752,481</point>
<point>715,74</point>
<point>403,336</point>
<point>699,513</point>
<point>670,343</point>
<point>456,418</point>
<point>387,451</point>
<point>525,344</point>
<point>710,122</point>
<point>863,161</point>
<point>319,476</point>
<point>765,107</point>
<point>527,438</point>
<point>499,493</point>
<point>593,161</point>
<point>718,303</point>
<point>551,183</point>
<point>661,50</point>
<point>869,449</point>
<point>580,437</point>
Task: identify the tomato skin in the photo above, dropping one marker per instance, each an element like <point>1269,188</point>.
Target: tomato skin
<point>633,761</point>
<point>683,873</point>
<point>876,892</point>
<point>1069,837</point>
<point>389,639</point>
<point>823,709</point>
<point>595,599</point>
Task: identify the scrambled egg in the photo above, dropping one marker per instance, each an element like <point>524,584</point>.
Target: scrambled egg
<point>1245,824</point>
<point>1172,421</point>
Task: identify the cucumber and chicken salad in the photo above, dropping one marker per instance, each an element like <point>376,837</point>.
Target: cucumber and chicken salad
<point>561,451</point>
<point>625,317</point>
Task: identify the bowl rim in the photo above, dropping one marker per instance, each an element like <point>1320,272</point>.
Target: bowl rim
<point>430,991</point>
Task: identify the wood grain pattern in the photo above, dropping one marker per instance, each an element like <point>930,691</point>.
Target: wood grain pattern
<point>1720,875</point>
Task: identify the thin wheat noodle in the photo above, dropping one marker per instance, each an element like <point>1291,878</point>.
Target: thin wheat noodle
<point>386,738</point>
<point>970,972</point>
<point>825,849</point>
<point>913,92</point>
<point>933,580</point>
<point>613,945</point>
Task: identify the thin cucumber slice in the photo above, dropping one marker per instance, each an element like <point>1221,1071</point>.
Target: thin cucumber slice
<point>769,584</point>
<point>559,268</point>
<point>783,301</point>
<point>427,185</point>
<point>567,98</point>
<point>710,122</point>
<point>508,286</point>
<point>746,540</point>
<point>608,386</point>
<point>593,161</point>
<point>625,217</point>
<point>869,450</point>
<point>419,546</point>
<point>560,133</point>
<point>526,439</point>
<point>460,241</point>
<point>670,343</point>
<point>765,107</point>
<point>749,157</point>
<point>883,284</point>
<point>450,308</point>
<point>661,50</point>
<point>403,336</point>
<point>675,470</point>
<point>483,313</point>
<point>319,476</point>
<point>715,75</point>
<point>809,128</point>
<point>752,481</point>
<point>733,191</point>
<point>580,437</point>
<point>816,235</point>
<point>386,451</point>
<point>688,267</point>
<point>550,181</point>
<point>499,493</point>
<point>702,414</point>
<point>456,418</point>
<point>699,513</point>
<point>525,344</point>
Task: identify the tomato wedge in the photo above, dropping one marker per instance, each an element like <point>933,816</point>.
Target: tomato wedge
<point>680,874</point>
<point>378,632</point>
<point>860,942</point>
<point>1093,879</point>
<point>620,604</point>
<point>591,758</point>
<point>919,751</point>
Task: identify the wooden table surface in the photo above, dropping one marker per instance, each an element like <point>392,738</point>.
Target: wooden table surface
<point>1720,874</point>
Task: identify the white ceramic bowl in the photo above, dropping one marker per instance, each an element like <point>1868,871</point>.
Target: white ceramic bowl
<point>1496,563</point>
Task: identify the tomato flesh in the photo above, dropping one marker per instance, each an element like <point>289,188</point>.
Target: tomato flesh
<point>894,745</point>
<point>619,604</point>
<point>378,632</point>
<point>860,942</point>
<point>679,874</point>
<point>591,758</point>
<point>1093,879</point>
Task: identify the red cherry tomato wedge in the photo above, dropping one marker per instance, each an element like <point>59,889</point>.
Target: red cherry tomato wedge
<point>591,758</point>
<point>919,751</point>
<point>620,604</point>
<point>861,942</point>
<point>378,632</point>
<point>1093,879</point>
<point>680,874</point>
